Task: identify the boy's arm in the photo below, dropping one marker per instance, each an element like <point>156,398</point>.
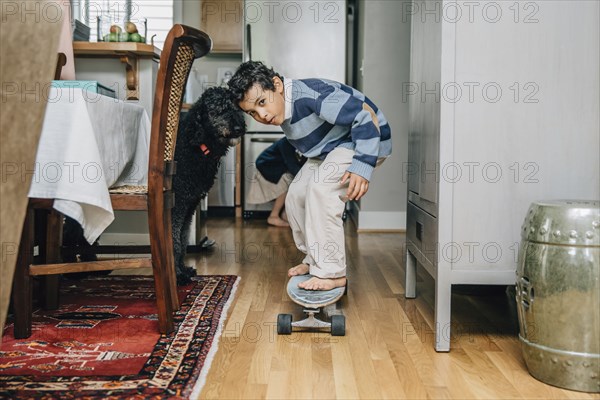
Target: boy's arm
<point>340,108</point>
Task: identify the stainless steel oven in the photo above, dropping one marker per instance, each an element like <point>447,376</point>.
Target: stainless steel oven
<point>254,144</point>
<point>221,197</point>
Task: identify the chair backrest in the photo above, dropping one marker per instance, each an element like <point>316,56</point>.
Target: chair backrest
<point>182,46</point>
<point>26,66</point>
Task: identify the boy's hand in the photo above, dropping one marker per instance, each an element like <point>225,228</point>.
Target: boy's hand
<point>358,185</point>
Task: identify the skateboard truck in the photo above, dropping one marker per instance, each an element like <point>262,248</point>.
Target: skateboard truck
<point>312,301</point>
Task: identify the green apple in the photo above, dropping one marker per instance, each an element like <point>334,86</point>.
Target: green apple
<point>135,37</point>
<point>123,37</point>
<point>113,37</point>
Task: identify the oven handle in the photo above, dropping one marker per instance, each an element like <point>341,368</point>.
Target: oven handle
<point>248,43</point>
<point>264,140</point>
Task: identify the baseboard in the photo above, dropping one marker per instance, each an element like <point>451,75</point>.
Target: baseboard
<point>138,239</point>
<point>123,239</point>
<point>378,221</point>
<point>381,231</point>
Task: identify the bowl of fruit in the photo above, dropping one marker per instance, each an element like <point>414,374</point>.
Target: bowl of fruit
<point>129,34</point>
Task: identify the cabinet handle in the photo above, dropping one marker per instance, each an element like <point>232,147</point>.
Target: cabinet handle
<point>419,231</point>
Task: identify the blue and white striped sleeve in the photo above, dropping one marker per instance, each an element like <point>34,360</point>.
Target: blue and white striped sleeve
<point>342,108</point>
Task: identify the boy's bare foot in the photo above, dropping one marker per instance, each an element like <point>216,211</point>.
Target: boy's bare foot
<point>300,269</point>
<point>284,216</point>
<point>315,283</point>
<point>276,221</point>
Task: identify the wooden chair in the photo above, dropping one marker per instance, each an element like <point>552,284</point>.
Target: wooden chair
<point>182,46</point>
<point>23,64</point>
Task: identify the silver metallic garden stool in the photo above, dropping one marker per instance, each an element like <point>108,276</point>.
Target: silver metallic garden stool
<point>558,293</point>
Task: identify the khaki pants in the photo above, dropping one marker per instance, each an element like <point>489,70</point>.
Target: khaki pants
<point>314,211</point>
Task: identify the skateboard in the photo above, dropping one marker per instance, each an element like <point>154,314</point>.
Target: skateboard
<point>312,301</point>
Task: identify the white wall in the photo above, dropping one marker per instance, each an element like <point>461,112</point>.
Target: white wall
<point>384,45</point>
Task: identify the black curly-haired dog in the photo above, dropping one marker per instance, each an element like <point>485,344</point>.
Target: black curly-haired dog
<point>210,128</point>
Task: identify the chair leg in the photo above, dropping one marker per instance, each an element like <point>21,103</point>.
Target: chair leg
<point>171,276</point>
<point>53,243</point>
<point>158,248</point>
<point>22,283</point>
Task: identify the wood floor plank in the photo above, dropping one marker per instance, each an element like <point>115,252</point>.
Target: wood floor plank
<point>481,384</point>
<point>236,378</point>
<point>357,338</point>
<point>343,370</point>
<point>261,293</point>
<point>387,378</point>
<point>278,385</point>
<point>259,333</point>
<point>395,331</point>
<point>219,367</point>
<point>255,391</point>
<point>323,379</point>
<point>300,365</point>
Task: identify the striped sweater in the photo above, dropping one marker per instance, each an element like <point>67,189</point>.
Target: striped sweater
<point>321,115</point>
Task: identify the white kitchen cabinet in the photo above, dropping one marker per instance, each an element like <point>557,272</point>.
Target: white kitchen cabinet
<point>504,110</point>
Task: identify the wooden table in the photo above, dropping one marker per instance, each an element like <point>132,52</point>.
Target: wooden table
<point>89,143</point>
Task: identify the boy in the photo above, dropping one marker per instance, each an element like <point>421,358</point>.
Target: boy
<point>343,135</point>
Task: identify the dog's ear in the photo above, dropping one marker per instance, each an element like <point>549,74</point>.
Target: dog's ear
<point>192,128</point>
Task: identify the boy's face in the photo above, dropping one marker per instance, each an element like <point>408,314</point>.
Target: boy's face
<point>265,106</point>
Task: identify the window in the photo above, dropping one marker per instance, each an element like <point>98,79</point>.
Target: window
<point>158,13</point>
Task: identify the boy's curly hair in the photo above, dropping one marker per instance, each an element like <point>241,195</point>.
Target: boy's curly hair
<point>247,75</point>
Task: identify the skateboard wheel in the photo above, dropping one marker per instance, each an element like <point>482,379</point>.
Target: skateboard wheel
<point>338,325</point>
<point>284,324</point>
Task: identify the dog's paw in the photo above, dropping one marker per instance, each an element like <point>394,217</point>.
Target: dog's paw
<point>184,275</point>
<point>189,271</point>
<point>183,280</point>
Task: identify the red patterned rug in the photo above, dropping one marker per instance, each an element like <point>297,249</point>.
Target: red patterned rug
<point>103,342</point>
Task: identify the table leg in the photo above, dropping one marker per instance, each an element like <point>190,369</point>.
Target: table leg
<point>22,282</point>
<point>53,243</point>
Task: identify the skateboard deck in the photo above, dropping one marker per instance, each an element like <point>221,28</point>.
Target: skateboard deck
<point>312,298</point>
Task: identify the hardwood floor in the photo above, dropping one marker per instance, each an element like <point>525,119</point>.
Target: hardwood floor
<point>387,352</point>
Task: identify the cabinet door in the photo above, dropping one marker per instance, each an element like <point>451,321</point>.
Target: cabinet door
<point>415,112</point>
<point>424,107</point>
<point>223,21</point>
<point>428,44</point>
